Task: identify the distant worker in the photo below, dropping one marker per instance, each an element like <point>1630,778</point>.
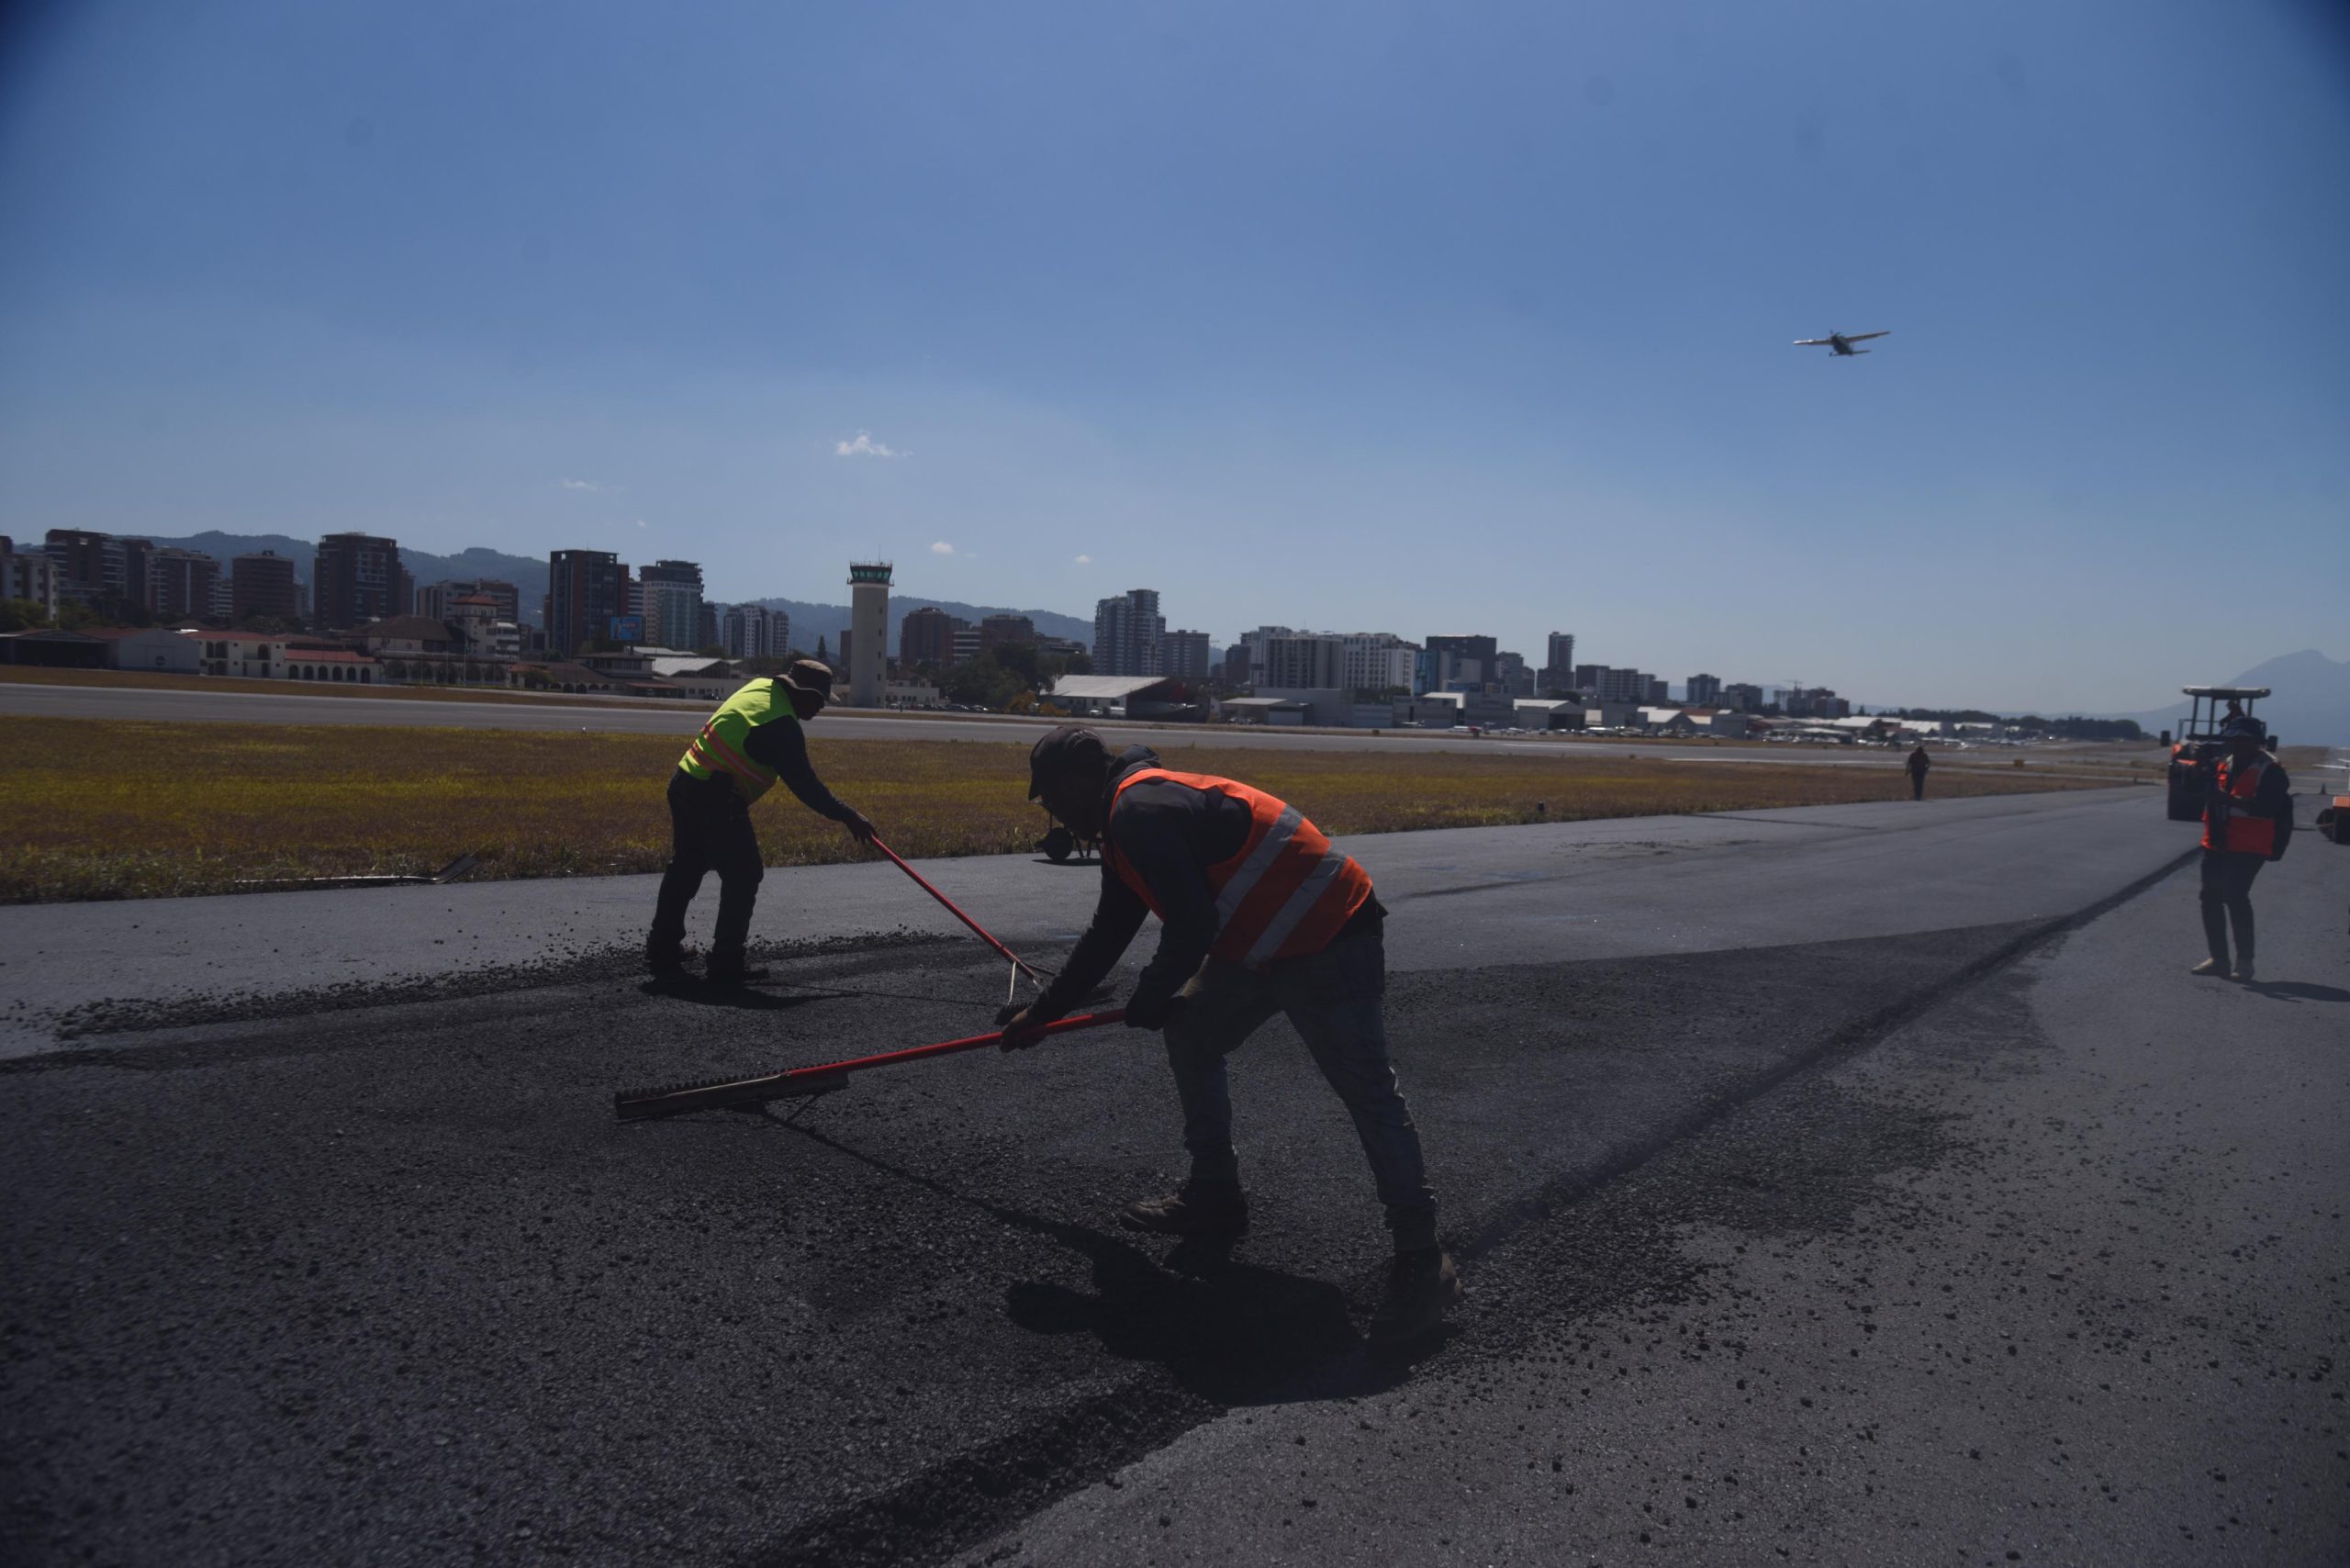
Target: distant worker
<point>2248,797</point>
<point>1260,915</point>
<point>1918,763</point>
<point>749,743</point>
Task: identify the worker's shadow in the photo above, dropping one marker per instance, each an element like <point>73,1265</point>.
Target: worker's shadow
<point>2298,990</point>
<point>1229,1332</point>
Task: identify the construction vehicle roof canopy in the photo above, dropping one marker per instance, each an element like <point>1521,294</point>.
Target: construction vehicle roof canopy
<point>2223,691</point>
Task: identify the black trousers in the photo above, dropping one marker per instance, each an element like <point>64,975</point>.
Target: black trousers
<point>710,828</point>
<point>2227,896</point>
<point>1916,783</point>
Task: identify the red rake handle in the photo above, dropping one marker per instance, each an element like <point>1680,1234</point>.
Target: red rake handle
<point>635,1104</point>
<point>948,1047</point>
<point>979,931</point>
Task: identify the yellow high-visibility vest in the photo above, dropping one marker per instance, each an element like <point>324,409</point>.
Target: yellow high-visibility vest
<point>719,749</point>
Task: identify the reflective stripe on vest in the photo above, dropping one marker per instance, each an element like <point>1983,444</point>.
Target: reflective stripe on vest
<point>1287,892</point>
<point>719,749</point>
<point>2246,834</point>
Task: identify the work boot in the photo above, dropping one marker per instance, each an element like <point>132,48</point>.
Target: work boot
<point>1196,1208</point>
<point>2243,969</point>
<point>1420,1286</point>
<point>732,969</point>
<point>666,965</point>
<point>2216,968</point>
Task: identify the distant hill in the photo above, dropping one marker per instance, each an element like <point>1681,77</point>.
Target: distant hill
<point>2311,705</point>
<point>528,574</point>
<point>809,621</point>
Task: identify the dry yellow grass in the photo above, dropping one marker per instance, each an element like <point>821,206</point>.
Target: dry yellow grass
<point>159,680</point>
<point>96,810</point>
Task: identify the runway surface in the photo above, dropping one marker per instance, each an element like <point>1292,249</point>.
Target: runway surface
<point>323,1245</point>
<point>136,704</point>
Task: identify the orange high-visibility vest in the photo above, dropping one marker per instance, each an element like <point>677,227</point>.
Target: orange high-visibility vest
<point>2246,834</point>
<point>1284,894</point>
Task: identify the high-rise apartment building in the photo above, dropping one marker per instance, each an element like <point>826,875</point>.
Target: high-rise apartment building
<point>1744,696</point>
<point>672,604</point>
<point>1378,661</point>
<point>1557,675</point>
<point>996,631</point>
<point>433,601</point>
<point>1311,661</point>
<point>357,578</point>
<point>1613,684</point>
<point>926,637</point>
<point>29,577</point>
<point>755,631</point>
<point>262,584</point>
<point>1704,690</point>
<point>1184,654</point>
<point>1127,633</point>
<point>1474,656</point>
<point>868,619</point>
<point>1560,654</point>
<point>1253,644</point>
<point>587,589</point>
<point>180,583</point>
<point>107,574</point>
<point>963,645</point>
<point>1655,689</point>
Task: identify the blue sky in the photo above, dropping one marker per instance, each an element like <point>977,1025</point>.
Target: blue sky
<point>1423,319</point>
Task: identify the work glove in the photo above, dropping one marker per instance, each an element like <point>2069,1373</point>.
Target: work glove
<point>1021,1030</point>
<point>1155,1013</point>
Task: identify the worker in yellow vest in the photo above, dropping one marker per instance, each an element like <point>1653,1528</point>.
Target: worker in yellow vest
<point>2246,818</point>
<point>1260,915</point>
<point>750,743</point>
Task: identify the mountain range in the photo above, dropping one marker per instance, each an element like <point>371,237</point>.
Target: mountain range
<point>2311,705</point>
<point>529,575</point>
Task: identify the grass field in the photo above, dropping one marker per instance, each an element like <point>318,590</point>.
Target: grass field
<point>159,680</point>
<point>99,810</point>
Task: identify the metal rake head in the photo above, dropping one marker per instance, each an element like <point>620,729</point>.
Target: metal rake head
<point>716,1093</point>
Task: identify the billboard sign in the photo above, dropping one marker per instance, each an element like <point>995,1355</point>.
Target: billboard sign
<point>627,630</point>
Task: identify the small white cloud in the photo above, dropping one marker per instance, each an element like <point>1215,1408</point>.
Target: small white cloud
<point>865,446</point>
<point>1085,560</point>
<point>595,485</point>
<point>640,522</point>
<point>942,548</point>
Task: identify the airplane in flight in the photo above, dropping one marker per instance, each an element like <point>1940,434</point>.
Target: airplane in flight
<point>1841,343</point>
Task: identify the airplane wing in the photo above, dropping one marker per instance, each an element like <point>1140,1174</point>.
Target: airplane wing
<point>1865,337</point>
<point>1812,343</point>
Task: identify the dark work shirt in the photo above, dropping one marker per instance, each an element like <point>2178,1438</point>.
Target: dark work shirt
<point>1170,833</point>
<point>779,744</point>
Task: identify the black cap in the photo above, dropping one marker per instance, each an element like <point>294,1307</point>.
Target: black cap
<point>1064,746</point>
<point>809,678</point>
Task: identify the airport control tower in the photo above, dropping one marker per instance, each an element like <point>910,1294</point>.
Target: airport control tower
<point>869,624</point>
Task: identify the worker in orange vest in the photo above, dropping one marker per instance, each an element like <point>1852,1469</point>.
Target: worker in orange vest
<point>2247,800</point>
<point>1260,915</point>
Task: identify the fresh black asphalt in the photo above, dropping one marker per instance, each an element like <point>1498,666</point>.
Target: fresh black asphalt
<point>369,1273</point>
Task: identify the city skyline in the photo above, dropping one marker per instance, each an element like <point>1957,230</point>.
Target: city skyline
<point>629,603</point>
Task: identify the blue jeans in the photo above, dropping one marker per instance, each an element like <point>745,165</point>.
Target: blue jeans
<point>1333,998</point>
